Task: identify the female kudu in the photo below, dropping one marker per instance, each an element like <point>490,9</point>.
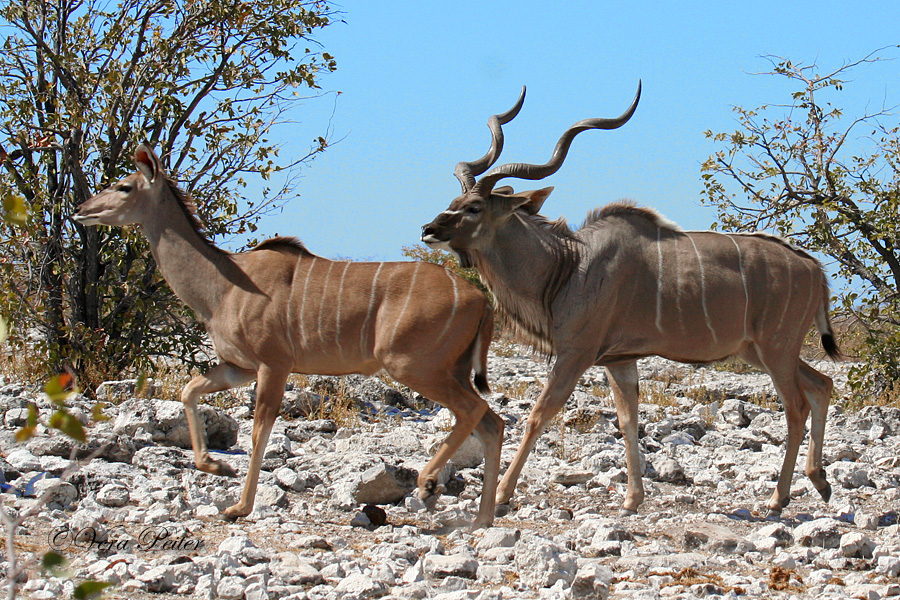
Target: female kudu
<point>630,284</point>
<point>279,309</point>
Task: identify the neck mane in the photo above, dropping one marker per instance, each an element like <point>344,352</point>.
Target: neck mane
<point>526,274</point>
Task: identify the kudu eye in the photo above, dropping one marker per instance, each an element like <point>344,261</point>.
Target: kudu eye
<point>474,209</point>
<point>124,188</point>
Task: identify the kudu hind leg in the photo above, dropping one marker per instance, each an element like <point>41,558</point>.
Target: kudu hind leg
<point>624,382</point>
<point>468,408</point>
<point>490,430</point>
<point>269,394</point>
<point>221,377</point>
<point>785,377</point>
<point>817,388</point>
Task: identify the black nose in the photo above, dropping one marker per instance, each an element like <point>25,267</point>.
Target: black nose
<point>427,230</point>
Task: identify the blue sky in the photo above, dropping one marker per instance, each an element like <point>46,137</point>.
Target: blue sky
<point>418,81</point>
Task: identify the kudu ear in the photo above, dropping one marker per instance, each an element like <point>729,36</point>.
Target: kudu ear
<point>147,162</point>
<point>531,202</point>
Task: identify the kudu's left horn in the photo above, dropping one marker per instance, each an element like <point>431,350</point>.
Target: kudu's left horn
<point>466,172</point>
<point>534,172</point>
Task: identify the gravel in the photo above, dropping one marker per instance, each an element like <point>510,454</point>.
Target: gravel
<point>337,515</point>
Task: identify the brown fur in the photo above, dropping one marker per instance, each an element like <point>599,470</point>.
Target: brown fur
<point>279,309</point>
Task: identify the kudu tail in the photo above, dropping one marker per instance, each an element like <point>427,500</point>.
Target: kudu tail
<point>480,350</point>
<point>823,324</point>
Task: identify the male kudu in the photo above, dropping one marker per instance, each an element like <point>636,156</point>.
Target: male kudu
<point>279,309</point>
<point>630,284</point>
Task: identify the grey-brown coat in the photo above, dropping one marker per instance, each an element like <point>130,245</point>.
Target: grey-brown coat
<point>630,284</point>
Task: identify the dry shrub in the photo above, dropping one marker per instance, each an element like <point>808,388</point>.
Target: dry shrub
<point>780,580</point>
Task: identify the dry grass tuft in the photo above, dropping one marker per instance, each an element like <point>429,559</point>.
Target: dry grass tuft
<point>689,576</point>
<point>780,580</point>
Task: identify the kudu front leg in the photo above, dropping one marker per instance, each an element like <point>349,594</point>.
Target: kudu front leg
<point>269,394</point>
<point>221,377</point>
<point>624,382</point>
<point>560,385</point>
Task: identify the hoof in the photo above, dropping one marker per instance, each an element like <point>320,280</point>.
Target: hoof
<point>501,510</point>
<point>216,467</point>
<point>627,512</point>
<point>773,514</point>
<point>430,494</point>
<point>233,513</point>
<point>480,524</point>
<point>825,492</point>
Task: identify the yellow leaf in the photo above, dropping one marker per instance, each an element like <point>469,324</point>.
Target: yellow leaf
<point>60,388</point>
<point>55,564</point>
<point>15,209</point>
<point>4,329</point>
<point>141,384</point>
<point>97,412</point>
<point>68,424</point>
<point>26,433</point>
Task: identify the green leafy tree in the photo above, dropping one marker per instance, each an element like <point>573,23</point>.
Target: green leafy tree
<point>444,259</point>
<point>207,83</point>
<point>830,183</point>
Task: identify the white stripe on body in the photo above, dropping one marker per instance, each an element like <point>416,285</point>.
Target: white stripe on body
<point>303,301</point>
<point>455,306</point>
<point>365,326</point>
<point>703,290</point>
<point>744,281</point>
<point>337,318</point>
<point>322,300</point>
<point>813,291</point>
<point>790,289</point>
<point>288,312</point>
<point>409,294</point>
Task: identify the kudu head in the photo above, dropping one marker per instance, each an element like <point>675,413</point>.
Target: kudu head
<point>469,222</point>
<point>128,200</point>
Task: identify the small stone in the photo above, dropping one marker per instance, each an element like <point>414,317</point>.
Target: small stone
<point>23,461</point>
<point>856,545</point>
<point>235,545</point>
<point>669,470</point>
<point>850,475</point>
<point>113,495</point>
<point>377,516</point>
<point>568,476</point>
<point>865,520</point>
<point>592,582</point>
<point>888,566</point>
<point>385,484</point>
<point>290,479</point>
<point>439,566</point>
<point>358,587</point>
<point>819,533</point>
<point>784,560</point>
<point>230,588</point>
<point>271,496</point>
<point>542,563</point>
<point>360,519</point>
<point>63,493</point>
<point>715,538</point>
<point>498,537</point>
<point>414,504</point>
<point>256,591</point>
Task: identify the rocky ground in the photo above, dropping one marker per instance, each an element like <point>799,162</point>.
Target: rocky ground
<point>335,518</point>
